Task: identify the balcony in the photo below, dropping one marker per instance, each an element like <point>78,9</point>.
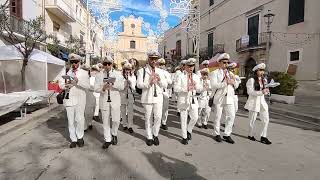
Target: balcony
<point>253,42</point>
<point>61,9</point>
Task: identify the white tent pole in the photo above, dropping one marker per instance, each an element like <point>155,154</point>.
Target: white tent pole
<point>47,76</point>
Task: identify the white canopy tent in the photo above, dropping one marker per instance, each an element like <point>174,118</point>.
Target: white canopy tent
<point>42,68</point>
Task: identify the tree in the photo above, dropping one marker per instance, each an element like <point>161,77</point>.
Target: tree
<point>54,47</point>
<point>23,35</point>
<point>73,44</point>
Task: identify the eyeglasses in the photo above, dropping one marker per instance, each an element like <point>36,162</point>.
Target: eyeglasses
<point>224,62</point>
<point>191,65</point>
<point>73,62</point>
<point>107,64</point>
<point>261,70</point>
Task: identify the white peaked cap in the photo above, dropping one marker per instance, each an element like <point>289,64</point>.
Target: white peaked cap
<point>205,62</point>
<point>191,61</point>
<point>108,59</point>
<point>127,66</point>
<point>259,66</point>
<point>224,56</point>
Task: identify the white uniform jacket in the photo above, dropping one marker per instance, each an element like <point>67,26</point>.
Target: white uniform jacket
<point>169,82</point>
<point>114,91</point>
<point>77,93</point>
<point>205,94</point>
<point>256,98</point>
<point>128,90</point>
<point>224,94</point>
<point>147,96</point>
<point>185,96</point>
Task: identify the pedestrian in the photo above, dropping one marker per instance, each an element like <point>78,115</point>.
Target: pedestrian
<point>152,81</point>
<point>109,82</point>
<point>127,97</point>
<point>93,73</point>
<point>165,107</point>
<point>224,84</point>
<point>204,108</point>
<point>203,65</point>
<point>186,86</point>
<point>77,81</point>
<point>256,103</point>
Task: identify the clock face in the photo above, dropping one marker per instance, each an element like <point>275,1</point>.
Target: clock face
<point>133,26</point>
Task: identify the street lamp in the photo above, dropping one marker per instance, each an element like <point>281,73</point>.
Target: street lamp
<point>268,19</point>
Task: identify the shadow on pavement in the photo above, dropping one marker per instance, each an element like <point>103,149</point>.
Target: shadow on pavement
<point>172,168</point>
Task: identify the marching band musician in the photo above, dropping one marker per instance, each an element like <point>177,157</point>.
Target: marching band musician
<point>187,85</point>
<point>75,100</point>
<point>256,102</point>
<point>204,64</point>
<point>179,70</point>
<point>165,107</point>
<point>90,101</point>
<point>127,97</point>
<point>152,81</point>
<point>204,108</point>
<point>109,83</point>
<point>223,82</point>
<point>94,71</point>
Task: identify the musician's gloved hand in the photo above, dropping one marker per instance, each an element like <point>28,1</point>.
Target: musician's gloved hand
<point>265,91</point>
<point>230,82</point>
<point>107,86</point>
<point>75,81</point>
<point>68,85</point>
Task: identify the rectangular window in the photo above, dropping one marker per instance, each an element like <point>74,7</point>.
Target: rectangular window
<point>253,30</point>
<point>296,11</point>
<point>132,44</point>
<point>56,27</point>
<point>178,48</point>
<point>81,39</point>
<point>210,45</point>
<point>16,8</point>
<point>211,2</point>
<point>294,56</point>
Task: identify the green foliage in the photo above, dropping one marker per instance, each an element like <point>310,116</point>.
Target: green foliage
<point>287,83</point>
<point>73,45</point>
<point>95,60</point>
<point>54,47</point>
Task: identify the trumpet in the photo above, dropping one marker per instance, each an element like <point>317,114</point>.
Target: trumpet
<point>126,77</point>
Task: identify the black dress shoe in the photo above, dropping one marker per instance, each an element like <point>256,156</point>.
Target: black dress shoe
<point>218,138</point>
<point>130,130</point>
<point>90,127</point>
<point>205,126</point>
<point>164,127</point>
<point>198,126</point>
<point>114,140</point>
<point>265,140</point>
<point>149,142</point>
<point>189,137</point>
<point>184,141</point>
<point>125,128</point>
<point>228,139</point>
<point>73,144</point>
<point>80,142</point>
<point>156,141</point>
<point>252,138</point>
<point>106,145</point>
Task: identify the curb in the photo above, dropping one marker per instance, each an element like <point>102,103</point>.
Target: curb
<point>292,114</point>
<point>15,124</point>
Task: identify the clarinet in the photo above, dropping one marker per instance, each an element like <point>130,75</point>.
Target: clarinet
<point>109,98</point>
<point>127,88</point>
<point>154,85</point>
<point>191,81</point>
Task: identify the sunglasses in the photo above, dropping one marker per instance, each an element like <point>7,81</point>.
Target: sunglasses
<point>107,64</point>
<point>74,62</point>
<point>224,62</point>
<point>261,70</point>
<point>191,65</point>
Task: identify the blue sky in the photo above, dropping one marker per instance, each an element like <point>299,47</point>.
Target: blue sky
<point>142,8</point>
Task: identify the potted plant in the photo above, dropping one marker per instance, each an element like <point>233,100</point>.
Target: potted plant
<point>284,92</point>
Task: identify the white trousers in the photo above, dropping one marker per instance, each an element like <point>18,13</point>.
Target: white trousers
<point>192,111</point>
<point>264,117</point>
<point>204,115</point>
<point>76,122</point>
<point>165,110</point>
<point>88,114</point>
<point>115,113</point>
<point>226,110</point>
<point>153,114</point>
<point>127,114</point>
<point>96,108</point>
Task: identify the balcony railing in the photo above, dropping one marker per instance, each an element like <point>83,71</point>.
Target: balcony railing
<point>252,42</point>
<point>61,9</point>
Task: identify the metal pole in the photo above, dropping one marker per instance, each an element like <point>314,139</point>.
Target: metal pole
<point>268,43</point>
